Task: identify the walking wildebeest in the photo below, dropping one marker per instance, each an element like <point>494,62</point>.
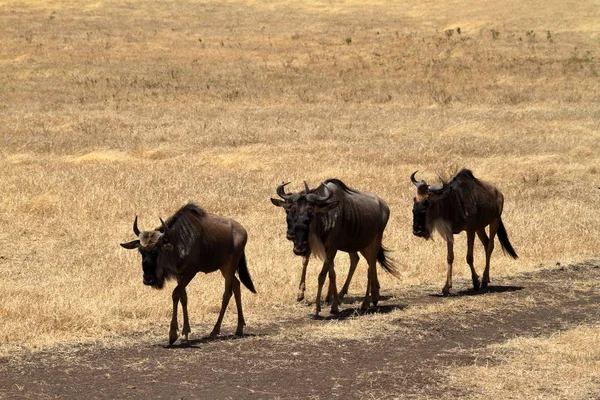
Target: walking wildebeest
<point>290,216</point>
<point>334,218</point>
<point>192,241</point>
<point>463,204</point>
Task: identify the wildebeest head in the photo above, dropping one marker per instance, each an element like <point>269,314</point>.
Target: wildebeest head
<point>301,209</point>
<point>153,246</point>
<point>422,225</point>
<point>287,202</point>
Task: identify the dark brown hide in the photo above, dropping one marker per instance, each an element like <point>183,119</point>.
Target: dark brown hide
<point>463,204</point>
<point>287,203</point>
<point>189,242</point>
<point>334,218</point>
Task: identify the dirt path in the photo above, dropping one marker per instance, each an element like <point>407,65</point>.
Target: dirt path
<point>410,362</point>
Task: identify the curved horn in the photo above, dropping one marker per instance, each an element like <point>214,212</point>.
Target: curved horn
<point>444,183</point>
<point>281,192</point>
<point>306,189</point>
<point>135,227</point>
<point>412,178</point>
<point>164,225</point>
<point>315,198</point>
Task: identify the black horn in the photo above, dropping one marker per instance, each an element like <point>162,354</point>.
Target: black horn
<point>306,188</point>
<point>444,183</point>
<point>315,198</point>
<point>413,180</point>
<point>164,225</point>
<point>135,227</point>
<point>281,192</point>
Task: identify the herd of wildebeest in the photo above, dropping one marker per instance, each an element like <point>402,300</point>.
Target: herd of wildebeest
<point>322,221</point>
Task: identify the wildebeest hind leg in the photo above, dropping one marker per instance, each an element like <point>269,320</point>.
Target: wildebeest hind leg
<point>226,296</point>
<point>353,263</point>
<point>450,259</point>
<point>470,243</point>
<point>371,256</point>
<point>488,252</point>
<point>237,293</point>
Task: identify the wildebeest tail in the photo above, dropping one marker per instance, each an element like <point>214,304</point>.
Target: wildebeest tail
<point>386,262</point>
<point>244,274</point>
<point>506,246</point>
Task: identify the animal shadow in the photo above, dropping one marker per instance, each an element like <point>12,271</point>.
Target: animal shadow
<point>194,343</point>
<point>356,299</point>
<point>489,289</point>
<point>354,312</point>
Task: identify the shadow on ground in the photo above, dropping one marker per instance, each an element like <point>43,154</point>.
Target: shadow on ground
<point>473,292</point>
<point>354,312</point>
<point>194,343</point>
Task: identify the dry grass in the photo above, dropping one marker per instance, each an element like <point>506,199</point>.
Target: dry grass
<point>565,365</point>
<point>111,109</point>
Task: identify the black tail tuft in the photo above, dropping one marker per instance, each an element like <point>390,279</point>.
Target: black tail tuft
<point>386,262</point>
<point>506,246</point>
<point>244,274</point>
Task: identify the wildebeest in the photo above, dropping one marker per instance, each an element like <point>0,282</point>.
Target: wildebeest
<point>287,203</point>
<point>334,218</point>
<point>192,241</point>
<point>463,204</point>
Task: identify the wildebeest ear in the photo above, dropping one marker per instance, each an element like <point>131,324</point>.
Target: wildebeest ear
<point>280,203</point>
<point>277,202</point>
<point>134,244</point>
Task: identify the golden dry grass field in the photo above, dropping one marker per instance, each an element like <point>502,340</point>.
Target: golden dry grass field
<point>115,108</point>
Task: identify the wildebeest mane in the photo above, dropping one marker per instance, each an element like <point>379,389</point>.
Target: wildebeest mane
<point>327,220</point>
<point>184,230</point>
<point>464,192</point>
<point>341,184</point>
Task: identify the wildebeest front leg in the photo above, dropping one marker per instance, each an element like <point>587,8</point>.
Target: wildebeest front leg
<point>179,293</point>
<point>450,259</point>
<point>353,263</point>
<point>470,243</point>
<point>186,322</point>
<point>327,266</point>
<point>302,286</point>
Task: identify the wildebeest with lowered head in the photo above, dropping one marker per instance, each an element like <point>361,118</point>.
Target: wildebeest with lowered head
<point>189,242</point>
<point>334,218</point>
<point>287,203</point>
<point>463,204</point>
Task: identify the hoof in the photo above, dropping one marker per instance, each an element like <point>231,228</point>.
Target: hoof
<point>239,333</point>
<point>364,306</point>
<point>445,291</point>
<point>484,285</point>
<point>334,311</point>
<point>375,301</point>
<point>476,285</point>
<point>173,336</point>
<point>300,297</point>
<point>213,335</point>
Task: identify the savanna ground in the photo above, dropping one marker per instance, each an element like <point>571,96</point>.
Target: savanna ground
<point>112,109</point>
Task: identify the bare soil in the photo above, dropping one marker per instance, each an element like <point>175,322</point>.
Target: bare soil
<point>409,363</point>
